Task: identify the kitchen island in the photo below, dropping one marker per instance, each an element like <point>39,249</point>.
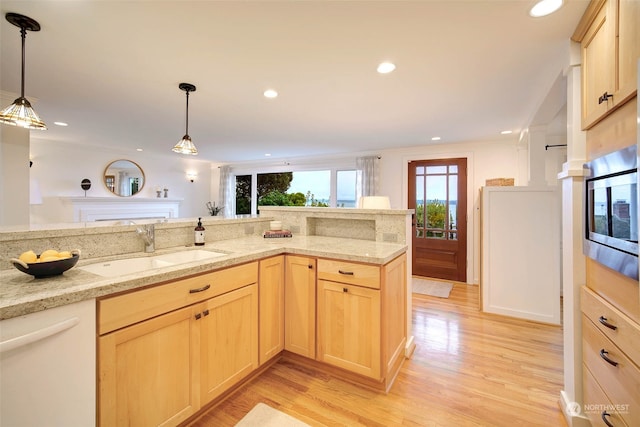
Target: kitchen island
<point>331,272</point>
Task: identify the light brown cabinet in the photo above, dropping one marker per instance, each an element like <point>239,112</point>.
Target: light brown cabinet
<point>166,351</point>
<point>145,372</point>
<point>228,340</point>
<point>362,317</point>
<point>159,361</point>
<point>271,300</point>
<point>611,348</point>
<point>300,305</point>
<point>610,42</point>
<point>349,327</point>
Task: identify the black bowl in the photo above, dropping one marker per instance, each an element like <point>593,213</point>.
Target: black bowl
<point>48,268</point>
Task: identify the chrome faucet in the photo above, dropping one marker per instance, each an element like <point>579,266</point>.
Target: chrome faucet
<point>147,233</point>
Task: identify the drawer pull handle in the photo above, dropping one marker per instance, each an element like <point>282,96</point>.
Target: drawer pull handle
<point>202,289</point>
<point>604,321</point>
<point>604,416</point>
<point>346,273</point>
<point>603,354</point>
<point>605,96</point>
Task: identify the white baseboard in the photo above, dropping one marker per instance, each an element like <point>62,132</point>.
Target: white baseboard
<point>572,412</point>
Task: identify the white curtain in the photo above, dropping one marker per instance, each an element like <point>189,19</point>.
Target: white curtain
<point>367,176</point>
<point>227,194</point>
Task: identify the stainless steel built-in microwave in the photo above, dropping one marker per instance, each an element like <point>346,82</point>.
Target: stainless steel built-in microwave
<point>611,223</point>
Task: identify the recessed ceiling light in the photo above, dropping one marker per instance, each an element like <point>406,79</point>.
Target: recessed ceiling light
<point>436,138</point>
<point>506,132</point>
<point>267,154</point>
<point>138,149</point>
<point>270,93</point>
<point>386,67</point>
<point>60,124</point>
<point>545,7</point>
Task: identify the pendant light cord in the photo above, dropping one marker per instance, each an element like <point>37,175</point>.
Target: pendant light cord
<point>23,33</point>
<point>187,121</point>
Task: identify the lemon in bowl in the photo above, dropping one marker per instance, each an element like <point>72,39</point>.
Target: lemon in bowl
<point>49,263</point>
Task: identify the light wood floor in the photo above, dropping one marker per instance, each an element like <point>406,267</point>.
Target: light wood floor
<point>469,369</point>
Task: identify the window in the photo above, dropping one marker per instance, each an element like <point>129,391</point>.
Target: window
<point>334,186</point>
<point>243,194</point>
<point>315,185</point>
<point>346,188</point>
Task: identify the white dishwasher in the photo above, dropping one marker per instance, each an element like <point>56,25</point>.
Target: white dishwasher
<point>48,367</point>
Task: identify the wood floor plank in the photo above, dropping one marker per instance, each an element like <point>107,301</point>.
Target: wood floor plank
<point>469,369</point>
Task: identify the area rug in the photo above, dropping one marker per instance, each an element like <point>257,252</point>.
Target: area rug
<point>265,416</point>
<point>434,288</point>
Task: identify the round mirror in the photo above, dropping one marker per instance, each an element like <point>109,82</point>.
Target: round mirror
<point>124,178</point>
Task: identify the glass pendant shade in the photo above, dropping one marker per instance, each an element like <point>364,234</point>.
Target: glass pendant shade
<point>20,113</point>
<point>185,146</point>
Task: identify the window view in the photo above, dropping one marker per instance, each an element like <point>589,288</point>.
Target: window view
<point>436,200</point>
<point>346,189</point>
<point>315,185</point>
<point>243,194</point>
<point>299,188</point>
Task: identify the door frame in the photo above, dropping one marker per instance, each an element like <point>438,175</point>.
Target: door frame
<point>473,213</point>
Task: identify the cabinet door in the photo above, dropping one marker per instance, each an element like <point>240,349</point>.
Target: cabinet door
<point>228,340</point>
<point>300,306</point>
<point>145,372</point>
<point>271,300</point>
<point>628,37</point>
<point>598,65</point>
<point>349,327</point>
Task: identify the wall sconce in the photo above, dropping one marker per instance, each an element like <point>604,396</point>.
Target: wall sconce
<point>191,176</point>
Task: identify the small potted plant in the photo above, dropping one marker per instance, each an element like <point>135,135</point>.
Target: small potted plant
<point>213,209</point>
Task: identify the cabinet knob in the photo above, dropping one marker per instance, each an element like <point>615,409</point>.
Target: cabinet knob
<point>345,290</point>
<point>206,312</point>
<point>198,316</point>
<point>310,266</point>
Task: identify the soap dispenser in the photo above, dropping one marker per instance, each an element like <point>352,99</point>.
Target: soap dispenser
<point>199,233</point>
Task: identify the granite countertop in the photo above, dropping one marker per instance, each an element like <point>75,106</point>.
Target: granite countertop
<point>22,294</point>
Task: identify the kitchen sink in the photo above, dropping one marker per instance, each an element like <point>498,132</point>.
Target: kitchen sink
<point>122,267</point>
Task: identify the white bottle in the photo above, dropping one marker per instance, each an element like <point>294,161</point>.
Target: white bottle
<point>199,234</point>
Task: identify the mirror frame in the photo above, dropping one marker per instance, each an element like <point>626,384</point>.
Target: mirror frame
<point>109,187</point>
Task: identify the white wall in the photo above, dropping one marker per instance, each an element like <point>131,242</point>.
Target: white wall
<point>60,167</point>
<point>505,158</point>
<point>14,175</point>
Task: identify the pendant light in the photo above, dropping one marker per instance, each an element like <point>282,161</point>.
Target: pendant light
<point>20,113</point>
<point>185,146</point>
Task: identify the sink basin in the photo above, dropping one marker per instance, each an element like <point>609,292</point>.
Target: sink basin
<point>122,267</point>
<point>188,256</point>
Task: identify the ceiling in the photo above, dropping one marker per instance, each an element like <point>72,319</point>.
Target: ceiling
<point>466,70</point>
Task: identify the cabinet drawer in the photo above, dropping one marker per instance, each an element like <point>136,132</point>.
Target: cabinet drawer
<point>621,330</point>
<point>123,310</point>
<point>349,272</point>
<point>596,404</point>
<point>621,383</point>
